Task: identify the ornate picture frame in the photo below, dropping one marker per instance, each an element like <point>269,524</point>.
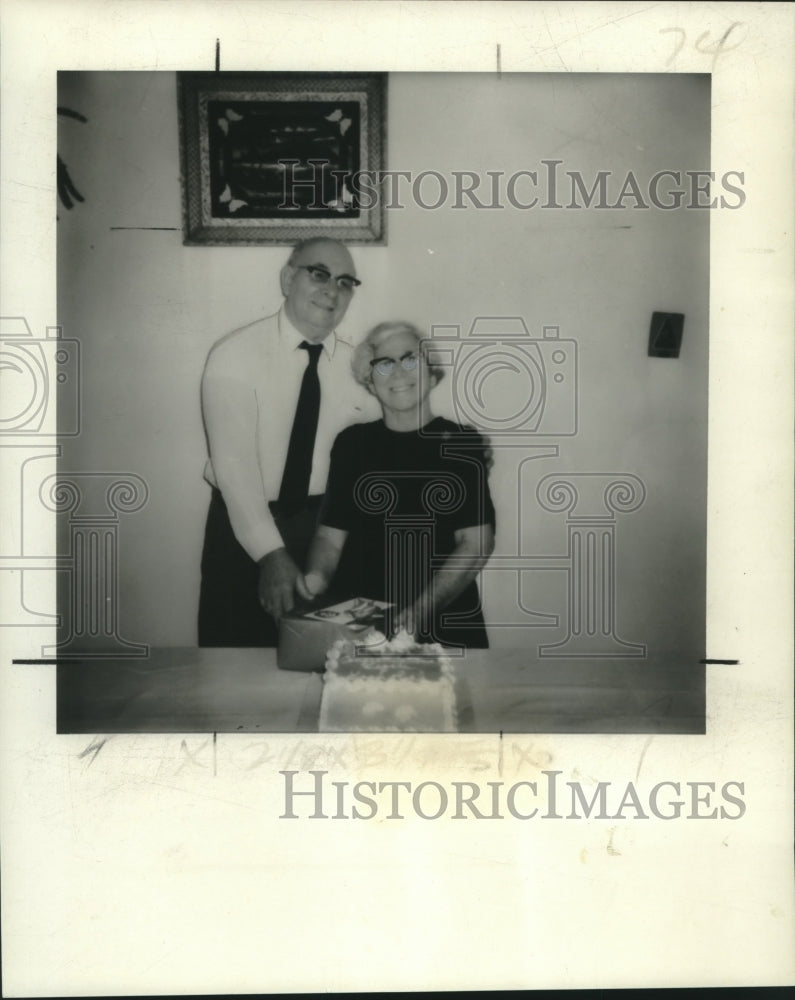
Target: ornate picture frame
<point>272,158</point>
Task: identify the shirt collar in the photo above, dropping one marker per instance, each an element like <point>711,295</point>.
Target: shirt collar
<point>292,338</point>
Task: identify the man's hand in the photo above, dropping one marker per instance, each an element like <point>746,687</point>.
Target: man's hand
<point>277,579</point>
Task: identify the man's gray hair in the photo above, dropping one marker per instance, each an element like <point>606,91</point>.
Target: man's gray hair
<point>310,241</point>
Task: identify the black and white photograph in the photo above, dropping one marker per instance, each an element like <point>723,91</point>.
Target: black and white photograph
<point>497,426</point>
<point>397,518</point>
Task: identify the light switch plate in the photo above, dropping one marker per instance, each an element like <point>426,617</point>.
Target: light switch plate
<point>665,334</point>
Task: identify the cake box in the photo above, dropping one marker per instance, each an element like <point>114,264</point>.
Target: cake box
<point>305,637</point>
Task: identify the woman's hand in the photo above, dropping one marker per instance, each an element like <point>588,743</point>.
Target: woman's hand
<point>473,546</point>
<point>322,561</point>
<point>310,585</point>
<point>407,620</point>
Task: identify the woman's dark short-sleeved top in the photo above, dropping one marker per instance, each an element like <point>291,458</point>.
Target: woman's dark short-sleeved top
<point>401,496</point>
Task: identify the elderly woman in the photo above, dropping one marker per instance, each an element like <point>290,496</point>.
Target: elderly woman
<point>413,474</point>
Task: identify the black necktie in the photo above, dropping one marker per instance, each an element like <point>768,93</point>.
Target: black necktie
<point>298,465</point>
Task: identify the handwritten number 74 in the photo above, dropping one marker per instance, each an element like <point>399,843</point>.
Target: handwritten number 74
<point>714,48</point>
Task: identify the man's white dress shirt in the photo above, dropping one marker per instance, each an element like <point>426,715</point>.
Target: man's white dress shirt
<point>249,392</point>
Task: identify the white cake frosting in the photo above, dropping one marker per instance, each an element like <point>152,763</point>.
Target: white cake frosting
<point>380,685</point>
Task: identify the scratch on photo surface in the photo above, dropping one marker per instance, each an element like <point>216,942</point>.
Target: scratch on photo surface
<point>643,754</point>
<point>661,704</point>
<point>161,958</point>
<point>408,748</point>
<point>579,35</point>
<point>197,792</point>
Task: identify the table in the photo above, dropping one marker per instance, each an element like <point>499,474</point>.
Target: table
<point>178,690</point>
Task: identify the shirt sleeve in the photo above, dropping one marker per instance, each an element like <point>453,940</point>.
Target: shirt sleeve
<point>469,463</point>
<point>231,416</point>
<point>339,507</point>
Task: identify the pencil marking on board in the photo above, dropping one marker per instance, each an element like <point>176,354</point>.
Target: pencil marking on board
<point>715,49</point>
<point>94,748</point>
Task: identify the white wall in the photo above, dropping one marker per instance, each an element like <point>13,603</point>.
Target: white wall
<point>146,310</point>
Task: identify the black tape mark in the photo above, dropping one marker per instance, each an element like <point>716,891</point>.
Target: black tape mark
<point>730,663</point>
<point>35,663</point>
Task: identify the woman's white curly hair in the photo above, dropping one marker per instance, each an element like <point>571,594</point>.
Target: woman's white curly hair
<point>365,351</point>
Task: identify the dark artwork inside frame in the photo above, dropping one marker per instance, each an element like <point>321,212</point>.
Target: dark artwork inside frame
<point>272,157</point>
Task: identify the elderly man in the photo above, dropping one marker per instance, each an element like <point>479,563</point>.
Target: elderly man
<point>274,396</point>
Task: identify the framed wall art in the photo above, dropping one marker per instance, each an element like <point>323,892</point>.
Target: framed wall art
<point>272,158</point>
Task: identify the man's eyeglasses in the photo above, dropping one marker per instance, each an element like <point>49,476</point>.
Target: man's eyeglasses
<point>320,276</point>
<point>385,366</point>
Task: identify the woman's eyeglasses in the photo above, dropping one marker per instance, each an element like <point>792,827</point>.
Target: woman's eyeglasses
<point>385,366</point>
<point>320,276</point>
